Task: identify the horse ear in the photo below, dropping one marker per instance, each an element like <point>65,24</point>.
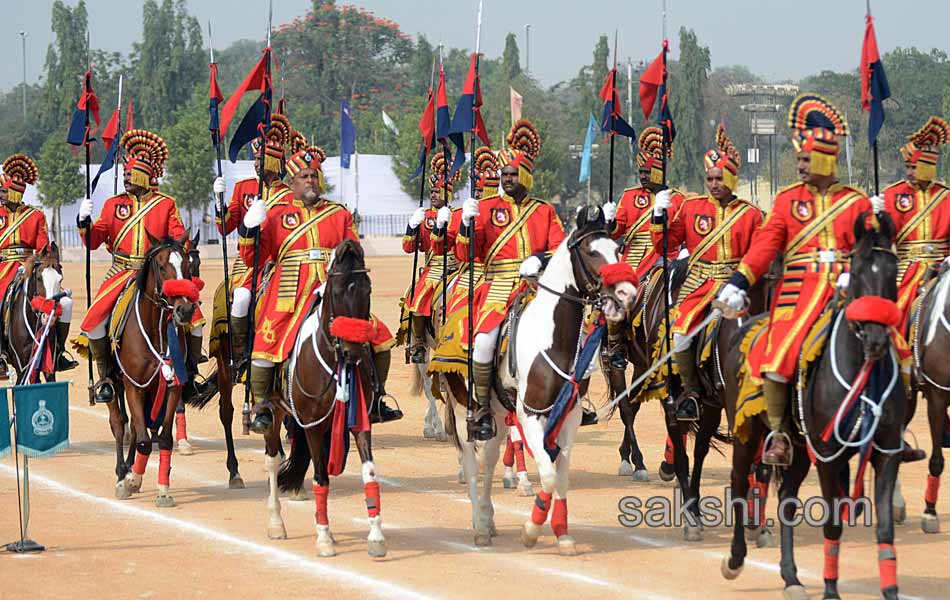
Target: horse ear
<point>183,241</point>
<point>580,219</point>
<point>196,240</point>
<point>861,226</point>
<point>887,227</point>
<point>595,217</point>
<point>54,248</point>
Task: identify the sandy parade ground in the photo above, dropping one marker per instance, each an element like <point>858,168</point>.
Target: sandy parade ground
<point>214,543</point>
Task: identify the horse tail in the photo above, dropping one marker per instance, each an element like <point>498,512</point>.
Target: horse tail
<point>200,401</point>
<point>717,441</point>
<point>416,383</point>
<point>294,469</point>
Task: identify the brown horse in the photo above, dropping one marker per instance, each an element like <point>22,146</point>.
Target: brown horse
<point>328,380</point>
<point>41,275</point>
<point>151,364</point>
<point>932,377</point>
<point>853,345</point>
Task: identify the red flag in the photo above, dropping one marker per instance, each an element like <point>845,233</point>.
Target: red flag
<point>255,80</point>
<point>869,56</point>
<point>427,122</point>
<point>214,92</point>
<point>89,98</point>
<point>112,128</point>
<point>650,82</point>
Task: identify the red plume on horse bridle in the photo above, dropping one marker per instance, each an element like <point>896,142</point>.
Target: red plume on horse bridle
<point>358,331</point>
<point>42,305</point>
<point>612,274</point>
<point>199,283</point>
<point>874,309</point>
<point>180,288</point>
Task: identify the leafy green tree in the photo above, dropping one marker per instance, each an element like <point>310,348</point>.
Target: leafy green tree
<point>66,61</point>
<point>687,83</point>
<point>511,58</point>
<point>60,179</point>
<point>190,156</point>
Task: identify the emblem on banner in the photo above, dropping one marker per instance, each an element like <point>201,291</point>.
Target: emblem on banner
<point>42,420</point>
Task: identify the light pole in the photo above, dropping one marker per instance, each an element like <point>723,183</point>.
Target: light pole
<point>23,35</point>
<point>527,48</point>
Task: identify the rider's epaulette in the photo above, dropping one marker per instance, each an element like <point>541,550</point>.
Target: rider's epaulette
<point>902,182</point>
<point>789,188</point>
<point>853,189</point>
<point>539,200</point>
<point>163,195</point>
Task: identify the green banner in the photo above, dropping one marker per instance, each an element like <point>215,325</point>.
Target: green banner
<point>42,418</point>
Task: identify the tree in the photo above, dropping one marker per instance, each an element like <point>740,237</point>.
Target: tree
<point>190,156</point>
<point>66,61</point>
<point>687,84</point>
<point>511,58</point>
<point>60,180</point>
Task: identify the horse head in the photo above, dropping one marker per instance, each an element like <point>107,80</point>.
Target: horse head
<point>167,277</point>
<point>43,272</point>
<point>346,301</point>
<point>872,286</point>
<point>194,258</point>
<point>591,248</point>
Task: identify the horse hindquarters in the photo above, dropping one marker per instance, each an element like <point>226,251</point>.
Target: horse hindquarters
<point>936,414</point>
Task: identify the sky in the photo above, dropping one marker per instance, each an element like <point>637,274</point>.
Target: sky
<point>776,39</point>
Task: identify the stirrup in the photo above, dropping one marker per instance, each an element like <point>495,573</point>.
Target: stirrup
<point>473,425</point>
<point>768,443</point>
<point>683,411</point>
<point>96,388</point>
<point>392,414</point>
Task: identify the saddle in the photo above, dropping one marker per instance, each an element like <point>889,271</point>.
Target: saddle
<point>121,312</point>
<point>6,307</point>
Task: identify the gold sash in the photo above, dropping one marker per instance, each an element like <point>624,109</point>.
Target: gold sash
<point>709,241</point>
<point>812,229</point>
<point>12,227</point>
<point>135,220</point>
<point>290,260</point>
<point>510,231</point>
<point>911,225</point>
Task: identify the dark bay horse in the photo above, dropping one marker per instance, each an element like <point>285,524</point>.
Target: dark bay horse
<point>327,387</point>
<point>41,276</point>
<point>152,365</point>
<point>857,347</point>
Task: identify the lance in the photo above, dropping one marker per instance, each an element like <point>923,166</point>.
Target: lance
<point>251,325</point>
<point>877,183</point>
<point>613,75</point>
<point>118,129</point>
<point>222,216</point>
<point>469,413</point>
<point>665,126</point>
<point>415,251</point>
<point>85,90</point>
<point>445,202</point>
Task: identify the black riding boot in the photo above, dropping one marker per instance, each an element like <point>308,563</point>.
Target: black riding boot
<point>687,405</point>
<point>195,388</point>
<point>417,353</point>
<point>484,424</point>
<point>382,413</point>
<point>101,352</point>
<point>262,380</point>
<point>239,342</point>
<point>64,361</point>
<point>616,354</point>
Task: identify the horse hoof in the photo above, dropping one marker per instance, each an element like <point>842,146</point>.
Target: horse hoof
<point>165,502</point>
<point>376,548</point>
<point>765,539</point>
<point>626,469</point>
<point>728,572</point>
<point>236,483</point>
<point>441,436</point>
<point>492,531</point>
<point>664,474</point>
<point>530,534</point>
<point>900,514</point>
<point>298,495</point>
<point>693,533</point>
<point>122,491</point>
<point>276,532</point>
<point>185,448</point>
<point>525,489</point>
<point>641,475</point>
<point>325,549</point>
<point>509,482</point>
<point>795,592</point>
<point>930,523</point>
<point>566,546</point>
<point>133,483</point>
<point>482,539</point>
<point>428,433</point>
<point>461,477</point>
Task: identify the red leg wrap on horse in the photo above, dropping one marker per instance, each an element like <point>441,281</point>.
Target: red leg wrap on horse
<point>371,491</point>
<point>832,548</point>
<point>519,457</point>
<point>181,427</point>
<point>509,458</point>
<point>933,486</point>
<point>756,500</point>
<point>542,504</point>
<point>164,466</point>
<point>668,452</point>
<point>141,461</point>
<point>559,517</point>
<point>320,493</point>
<point>887,565</point>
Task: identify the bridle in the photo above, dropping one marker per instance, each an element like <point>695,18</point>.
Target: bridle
<point>857,327</point>
<point>160,299</point>
<point>591,285</point>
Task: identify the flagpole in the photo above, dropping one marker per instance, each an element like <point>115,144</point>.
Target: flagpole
<point>877,183</point>
<point>222,216</point>
<point>664,128</point>
<point>469,413</point>
<point>251,325</point>
<point>115,161</point>
<point>610,183</point>
<point>85,90</point>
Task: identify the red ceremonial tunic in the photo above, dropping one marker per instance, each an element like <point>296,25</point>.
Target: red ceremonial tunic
<point>815,232</point>
<point>505,235</point>
<point>632,227</point>
<point>429,280</point>
<point>299,240</point>
<point>922,218</point>
<point>124,226</point>
<point>22,231</point>
<point>717,238</point>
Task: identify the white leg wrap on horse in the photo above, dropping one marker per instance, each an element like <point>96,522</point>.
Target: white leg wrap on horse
<point>776,377</point>
<point>264,364</point>
<point>198,332</point>
<point>241,302</point>
<point>98,332</point>
<point>484,346</point>
<point>67,304</point>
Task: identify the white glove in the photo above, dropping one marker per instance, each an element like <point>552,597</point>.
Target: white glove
<point>417,217</point>
<point>877,203</point>
<point>530,267</point>
<point>85,209</point>
<point>664,200</point>
<point>684,253</point>
<point>442,217</point>
<point>218,185</point>
<point>733,296</point>
<point>469,210</point>
<point>255,215</point>
<point>610,211</point>
<point>843,280</point>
